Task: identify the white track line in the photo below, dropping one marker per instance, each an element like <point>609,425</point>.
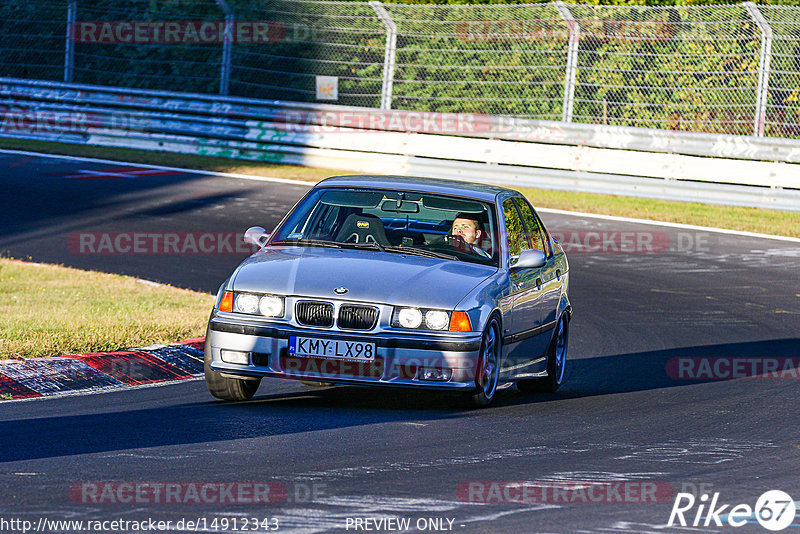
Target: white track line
<point>310,184</point>
<point>160,167</point>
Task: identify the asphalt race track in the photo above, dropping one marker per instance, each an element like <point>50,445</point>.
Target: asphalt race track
<point>648,410</point>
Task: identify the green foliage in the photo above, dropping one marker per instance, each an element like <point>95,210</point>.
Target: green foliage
<point>652,66</point>
<point>32,39</point>
<point>604,2</point>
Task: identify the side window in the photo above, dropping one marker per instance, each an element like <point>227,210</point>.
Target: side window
<point>532,227</point>
<point>514,228</point>
<point>548,245</point>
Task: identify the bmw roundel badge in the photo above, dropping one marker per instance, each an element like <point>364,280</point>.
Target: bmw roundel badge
<point>340,290</point>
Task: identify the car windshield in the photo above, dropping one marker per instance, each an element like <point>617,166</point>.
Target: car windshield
<point>392,222</point>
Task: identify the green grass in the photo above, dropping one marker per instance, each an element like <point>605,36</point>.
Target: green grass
<point>785,223</point>
<point>730,217</point>
<point>48,310</point>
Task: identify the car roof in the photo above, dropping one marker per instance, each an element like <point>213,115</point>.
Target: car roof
<point>417,183</point>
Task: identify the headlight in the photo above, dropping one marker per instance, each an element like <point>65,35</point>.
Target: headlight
<point>421,318</point>
<point>409,318</point>
<point>245,303</point>
<point>436,320</point>
<point>271,306</point>
<point>266,305</point>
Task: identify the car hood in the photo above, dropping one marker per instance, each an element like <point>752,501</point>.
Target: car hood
<point>369,276</point>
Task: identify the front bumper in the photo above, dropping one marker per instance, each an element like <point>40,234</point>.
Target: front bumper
<point>399,359</point>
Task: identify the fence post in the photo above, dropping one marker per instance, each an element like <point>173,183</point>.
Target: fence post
<point>763,68</point>
<point>389,57</point>
<point>227,48</point>
<point>572,60</point>
<point>69,46</point>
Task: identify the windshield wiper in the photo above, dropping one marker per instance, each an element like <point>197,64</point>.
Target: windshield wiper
<point>414,251</point>
<point>366,244</point>
<point>308,243</point>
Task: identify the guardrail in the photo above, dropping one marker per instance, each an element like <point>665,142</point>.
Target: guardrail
<point>709,168</point>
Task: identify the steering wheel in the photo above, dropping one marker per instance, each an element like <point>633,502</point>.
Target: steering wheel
<point>456,242</point>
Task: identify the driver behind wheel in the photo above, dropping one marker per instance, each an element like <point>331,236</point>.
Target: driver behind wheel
<point>467,233</point>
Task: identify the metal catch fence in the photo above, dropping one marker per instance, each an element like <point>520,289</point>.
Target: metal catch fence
<point>729,69</point>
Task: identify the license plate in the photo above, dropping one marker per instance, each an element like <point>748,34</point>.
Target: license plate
<point>331,348</point>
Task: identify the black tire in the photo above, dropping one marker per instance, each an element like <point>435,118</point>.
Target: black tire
<point>487,374</point>
<point>556,362</point>
<point>228,389</point>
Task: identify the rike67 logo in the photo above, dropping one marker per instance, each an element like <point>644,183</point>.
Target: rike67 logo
<point>774,510</point>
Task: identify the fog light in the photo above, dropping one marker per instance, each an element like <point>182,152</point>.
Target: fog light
<point>235,356</point>
<point>435,373</point>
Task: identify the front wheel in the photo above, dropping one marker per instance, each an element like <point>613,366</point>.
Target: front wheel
<point>488,371</point>
<point>229,389</point>
<point>556,362</point>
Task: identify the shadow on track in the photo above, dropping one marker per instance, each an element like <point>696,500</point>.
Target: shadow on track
<point>641,371</point>
<point>340,407</point>
<point>205,421</point>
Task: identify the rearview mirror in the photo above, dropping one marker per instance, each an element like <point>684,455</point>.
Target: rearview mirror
<point>530,259</point>
<point>402,206</point>
<point>255,235</point>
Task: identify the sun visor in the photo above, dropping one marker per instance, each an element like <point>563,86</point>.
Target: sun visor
<point>452,204</point>
<point>352,199</point>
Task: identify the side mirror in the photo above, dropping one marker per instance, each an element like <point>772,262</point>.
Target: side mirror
<point>530,259</point>
<point>255,235</point>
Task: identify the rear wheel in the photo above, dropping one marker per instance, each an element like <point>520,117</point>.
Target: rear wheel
<point>556,362</point>
<point>229,389</point>
<point>488,371</point>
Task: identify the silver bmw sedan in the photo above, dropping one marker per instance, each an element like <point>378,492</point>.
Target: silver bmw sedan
<point>395,281</point>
